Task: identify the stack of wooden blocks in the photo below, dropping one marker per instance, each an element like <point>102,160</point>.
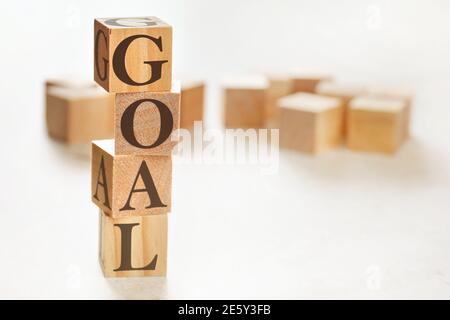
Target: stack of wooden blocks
<point>132,174</point>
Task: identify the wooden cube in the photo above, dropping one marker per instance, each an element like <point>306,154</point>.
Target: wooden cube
<point>395,93</point>
<point>133,246</point>
<point>344,91</point>
<point>133,54</point>
<point>310,123</point>
<point>144,122</point>
<point>245,102</point>
<point>304,82</point>
<point>376,125</point>
<point>278,87</point>
<point>69,81</point>
<point>79,115</point>
<point>192,103</point>
<point>129,185</point>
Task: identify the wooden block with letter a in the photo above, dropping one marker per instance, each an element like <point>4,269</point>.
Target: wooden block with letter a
<point>133,246</point>
<point>130,185</point>
<point>133,54</point>
<point>192,103</point>
<point>376,124</point>
<point>245,101</point>
<point>79,115</point>
<point>144,122</point>
<point>310,123</point>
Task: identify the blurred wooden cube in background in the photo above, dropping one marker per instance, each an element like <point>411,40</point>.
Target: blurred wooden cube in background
<point>244,102</point>
<point>308,82</point>
<point>376,124</point>
<point>69,81</point>
<point>192,103</point>
<point>283,84</point>
<point>395,93</point>
<point>344,91</point>
<point>310,123</point>
<point>278,87</point>
<point>78,113</point>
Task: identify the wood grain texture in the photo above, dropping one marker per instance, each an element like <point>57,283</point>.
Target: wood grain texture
<point>192,103</point>
<point>376,125</point>
<point>149,176</point>
<point>79,115</point>
<point>148,240</point>
<point>147,121</point>
<point>139,54</point>
<point>310,123</point>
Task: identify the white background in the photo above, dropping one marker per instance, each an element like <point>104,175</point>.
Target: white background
<point>341,225</point>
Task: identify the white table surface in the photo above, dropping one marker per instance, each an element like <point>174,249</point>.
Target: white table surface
<point>341,225</point>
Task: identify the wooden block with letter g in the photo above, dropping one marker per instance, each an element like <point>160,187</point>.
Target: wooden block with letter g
<point>310,123</point>
<point>79,115</point>
<point>144,122</point>
<point>133,54</point>
<point>133,246</point>
<point>129,185</point>
<point>376,124</point>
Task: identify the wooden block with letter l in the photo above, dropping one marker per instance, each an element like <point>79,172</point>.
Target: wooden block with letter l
<point>133,246</point>
<point>310,123</point>
<point>79,115</point>
<point>129,185</point>
<point>133,54</point>
<point>376,124</point>
<point>145,121</point>
<point>192,103</point>
<point>244,102</point>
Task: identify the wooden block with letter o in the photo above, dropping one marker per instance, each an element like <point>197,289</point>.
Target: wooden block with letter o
<point>133,246</point>
<point>245,102</point>
<point>310,123</point>
<point>129,185</point>
<point>376,124</point>
<point>192,103</point>
<point>79,115</point>
<point>133,54</point>
<point>144,122</point>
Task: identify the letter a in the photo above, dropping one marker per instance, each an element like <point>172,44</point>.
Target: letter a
<point>125,255</point>
<point>150,188</point>
<point>103,183</point>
